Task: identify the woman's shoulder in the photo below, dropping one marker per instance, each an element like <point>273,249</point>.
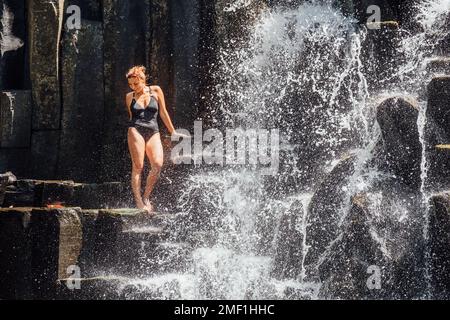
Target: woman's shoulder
<point>129,98</point>
<point>129,94</point>
<point>155,88</point>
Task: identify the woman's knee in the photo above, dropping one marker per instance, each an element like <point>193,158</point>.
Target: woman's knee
<point>138,168</point>
<point>156,166</point>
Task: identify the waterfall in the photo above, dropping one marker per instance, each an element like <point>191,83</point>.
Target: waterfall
<point>303,71</point>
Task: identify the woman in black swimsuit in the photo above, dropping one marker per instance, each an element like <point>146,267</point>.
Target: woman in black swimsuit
<point>144,104</point>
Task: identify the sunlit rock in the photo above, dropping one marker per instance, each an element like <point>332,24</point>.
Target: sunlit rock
<point>56,240</point>
<point>45,20</point>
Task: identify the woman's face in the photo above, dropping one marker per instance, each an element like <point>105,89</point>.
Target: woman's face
<point>136,84</point>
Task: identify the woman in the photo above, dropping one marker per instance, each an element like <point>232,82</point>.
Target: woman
<point>144,104</point>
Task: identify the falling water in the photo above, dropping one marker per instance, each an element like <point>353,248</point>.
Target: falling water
<point>431,16</point>
<point>11,99</point>
<point>301,71</point>
<point>8,42</point>
<point>291,54</point>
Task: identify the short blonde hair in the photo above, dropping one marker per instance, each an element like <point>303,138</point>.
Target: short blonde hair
<point>138,72</point>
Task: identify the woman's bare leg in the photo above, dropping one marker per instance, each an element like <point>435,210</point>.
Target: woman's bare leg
<point>154,151</point>
<point>136,145</point>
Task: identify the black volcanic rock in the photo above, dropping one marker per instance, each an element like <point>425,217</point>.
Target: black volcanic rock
<point>439,233</point>
<point>83,95</point>
<point>289,251</point>
<point>126,43</point>
<point>15,254</point>
<point>15,119</point>
<point>398,122</point>
<point>379,253</point>
<point>44,32</point>
<point>437,133</point>
<point>324,212</point>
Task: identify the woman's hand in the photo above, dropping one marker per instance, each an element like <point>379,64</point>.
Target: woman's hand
<point>179,135</point>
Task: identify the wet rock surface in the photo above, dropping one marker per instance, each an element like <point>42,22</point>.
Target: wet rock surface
<point>6,179</point>
<point>440,244</point>
<point>289,250</point>
<point>364,262</point>
<point>84,104</point>
<point>438,132</point>
<point>324,212</point>
<point>56,239</point>
<point>46,250</point>
<point>28,192</point>
<point>44,33</point>
<point>15,254</point>
<point>125,26</point>
<point>15,119</point>
<point>381,49</point>
<point>397,118</point>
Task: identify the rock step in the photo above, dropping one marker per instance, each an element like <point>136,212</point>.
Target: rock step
<point>39,193</point>
<point>6,179</point>
<point>113,237</point>
<point>439,65</point>
<point>38,245</point>
<point>436,67</point>
<point>95,288</point>
<point>118,288</point>
<point>150,257</point>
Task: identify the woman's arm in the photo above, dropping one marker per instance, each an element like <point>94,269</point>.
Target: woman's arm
<point>162,109</point>
<point>127,104</point>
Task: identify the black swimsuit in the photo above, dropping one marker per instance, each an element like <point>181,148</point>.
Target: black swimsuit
<point>145,120</point>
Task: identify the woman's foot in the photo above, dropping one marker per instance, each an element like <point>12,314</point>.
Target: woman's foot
<point>148,205</point>
<point>140,205</point>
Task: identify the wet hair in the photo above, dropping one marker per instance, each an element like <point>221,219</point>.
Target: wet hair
<point>138,72</point>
